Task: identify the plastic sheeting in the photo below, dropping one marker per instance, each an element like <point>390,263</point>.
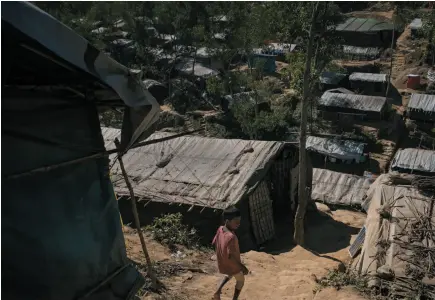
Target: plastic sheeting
<point>404,203</point>
<point>74,49</point>
<point>422,102</point>
<point>357,102</point>
<point>364,25</point>
<point>341,149</point>
<point>61,230</point>
<point>414,160</point>
<point>194,170</point>
<point>339,188</point>
<point>368,77</point>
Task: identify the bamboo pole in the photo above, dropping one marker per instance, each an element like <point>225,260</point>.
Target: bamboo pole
<point>136,218</point>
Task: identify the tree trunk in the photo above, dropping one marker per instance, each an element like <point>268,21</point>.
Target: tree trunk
<point>302,186</point>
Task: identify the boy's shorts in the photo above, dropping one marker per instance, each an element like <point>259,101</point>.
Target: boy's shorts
<point>240,279</point>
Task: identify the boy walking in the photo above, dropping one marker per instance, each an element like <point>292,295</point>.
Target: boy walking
<point>228,253</point>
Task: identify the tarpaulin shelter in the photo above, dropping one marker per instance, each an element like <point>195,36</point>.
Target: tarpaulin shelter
<point>370,107</point>
<point>61,229</point>
<point>421,107</point>
<point>396,217</point>
<point>364,32</point>
<point>339,188</point>
<point>412,160</point>
<point>346,150</point>
<point>212,173</point>
<point>372,84</point>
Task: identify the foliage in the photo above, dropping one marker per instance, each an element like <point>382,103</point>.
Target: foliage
<point>170,230</point>
<point>338,280</point>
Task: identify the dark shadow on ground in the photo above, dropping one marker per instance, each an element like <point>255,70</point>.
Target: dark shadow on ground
<point>322,235</point>
<point>394,95</point>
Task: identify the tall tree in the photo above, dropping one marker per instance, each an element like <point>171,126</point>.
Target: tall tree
<point>302,185</point>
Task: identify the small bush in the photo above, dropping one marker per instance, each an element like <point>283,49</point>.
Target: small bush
<point>338,280</point>
<point>170,230</point>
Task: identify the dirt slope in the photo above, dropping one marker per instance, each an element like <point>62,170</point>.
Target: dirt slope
<point>288,272</point>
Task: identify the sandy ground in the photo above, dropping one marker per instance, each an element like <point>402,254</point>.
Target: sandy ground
<point>286,272</point>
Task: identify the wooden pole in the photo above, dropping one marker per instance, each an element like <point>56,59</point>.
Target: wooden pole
<point>136,218</point>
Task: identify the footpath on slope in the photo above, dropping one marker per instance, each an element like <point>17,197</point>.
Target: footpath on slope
<point>282,271</point>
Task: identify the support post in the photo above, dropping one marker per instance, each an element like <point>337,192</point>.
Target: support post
<point>150,269</point>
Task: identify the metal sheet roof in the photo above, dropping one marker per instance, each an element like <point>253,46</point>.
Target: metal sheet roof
<point>194,170</point>
<point>414,159</point>
<point>368,77</point>
<point>357,102</point>
<point>364,25</point>
<point>422,102</point>
<point>339,188</point>
<point>341,149</point>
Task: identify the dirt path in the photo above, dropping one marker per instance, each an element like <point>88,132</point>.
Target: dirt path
<point>282,274</point>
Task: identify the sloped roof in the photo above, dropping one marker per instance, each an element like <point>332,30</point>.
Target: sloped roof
<point>331,78</point>
<point>368,77</point>
<point>341,91</point>
<point>357,102</point>
<point>414,159</point>
<point>406,205</point>
<point>422,102</point>
<point>364,25</point>
<point>339,188</point>
<point>194,170</point>
<point>341,149</point>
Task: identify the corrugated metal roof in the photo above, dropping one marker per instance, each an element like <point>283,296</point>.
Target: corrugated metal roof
<point>341,149</point>
<point>422,102</point>
<point>414,159</point>
<point>357,102</point>
<point>368,77</point>
<point>341,91</point>
<point>416,24</point>
<point>364,25</point>
<point>331,78</point>
<point>193,170</point>
<point>339,188</point>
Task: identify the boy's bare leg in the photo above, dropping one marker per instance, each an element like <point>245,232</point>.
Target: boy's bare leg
<point>236,293</point>
<point>217,295</point>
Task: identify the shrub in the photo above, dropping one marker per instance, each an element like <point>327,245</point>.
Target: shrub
<point>170,230</point>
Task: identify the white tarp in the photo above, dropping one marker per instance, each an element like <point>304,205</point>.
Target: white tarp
<point>340,149</point>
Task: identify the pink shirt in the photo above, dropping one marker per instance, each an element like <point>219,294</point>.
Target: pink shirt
<point>226,243</point>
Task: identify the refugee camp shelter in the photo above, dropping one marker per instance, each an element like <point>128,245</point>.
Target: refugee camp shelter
<point>360,53</point>
<point>416,27</point>
<point>337,188</point>
<point>369,83</point>
<point>213,174</point>
<point>363,32</point>
<point>261,103</point>
<point>335,153</point>
<point>190,67</point>
<point>335,105</point>
<point>61,231</point>
<point>389,243</point>
<point>421,107</point>
<point>266,61</point>
<point>332,80</point>
<point>279,49</point>
<point>415,161</point>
